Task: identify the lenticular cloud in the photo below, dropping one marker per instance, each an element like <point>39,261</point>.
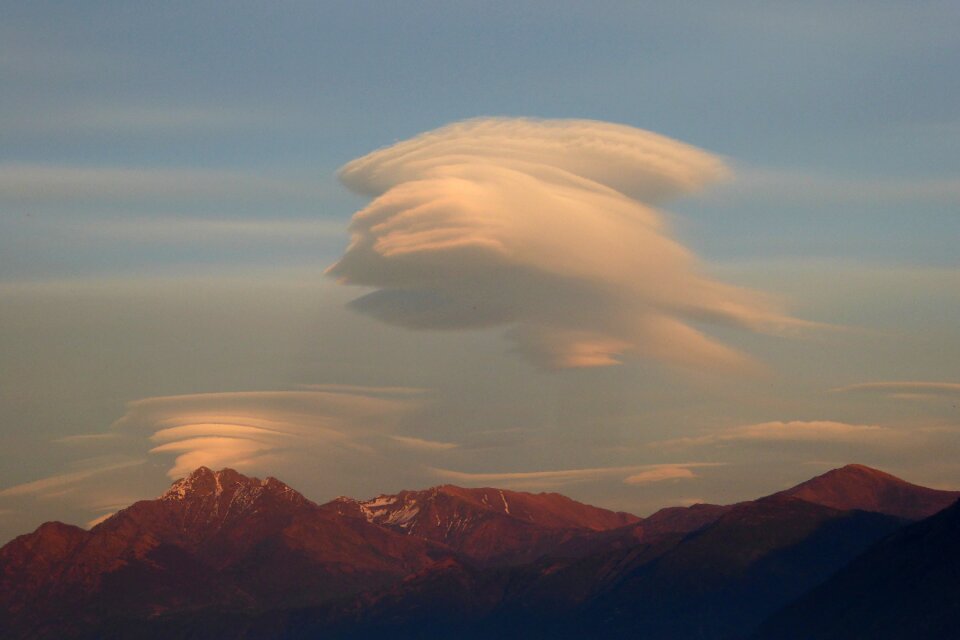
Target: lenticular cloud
<point>549,227</point>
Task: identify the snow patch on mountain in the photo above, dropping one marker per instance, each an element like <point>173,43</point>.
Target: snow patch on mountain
<point>224,493</point>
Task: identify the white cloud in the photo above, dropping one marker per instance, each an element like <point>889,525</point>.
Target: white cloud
<point>214,452</point>
<point>547,227</point>
<point>660,474</point>
<point>253,431</point>
<point>92,523</point>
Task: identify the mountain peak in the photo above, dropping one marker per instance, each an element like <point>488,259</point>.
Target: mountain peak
<point>490,526</point>
<point>205,484</point>
<point>462,505</point>
<point>854,467</point>
<point>857,486</point>
<point>203,481</point>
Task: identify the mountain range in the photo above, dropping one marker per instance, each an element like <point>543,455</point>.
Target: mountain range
<point>224,555</point>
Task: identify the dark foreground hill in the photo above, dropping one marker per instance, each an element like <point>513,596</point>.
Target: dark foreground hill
<point>226,556</point>
<point>907,586</point>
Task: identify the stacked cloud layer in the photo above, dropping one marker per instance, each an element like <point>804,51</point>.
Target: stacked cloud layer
<point>550,228</point>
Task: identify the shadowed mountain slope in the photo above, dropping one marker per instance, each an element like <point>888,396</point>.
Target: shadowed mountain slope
<point>723,580</point>
<point>907,586</point>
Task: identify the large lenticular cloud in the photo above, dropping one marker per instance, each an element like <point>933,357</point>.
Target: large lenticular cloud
<point>549,227</point>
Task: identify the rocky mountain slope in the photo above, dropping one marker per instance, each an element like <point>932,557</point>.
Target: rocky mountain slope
<point>489,526</point>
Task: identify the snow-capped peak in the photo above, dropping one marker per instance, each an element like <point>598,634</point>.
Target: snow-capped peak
<point>206,483</point>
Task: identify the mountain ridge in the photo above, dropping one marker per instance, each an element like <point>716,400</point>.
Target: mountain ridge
<point>476,522</point>
<point>223,549</point>
<point>857,486</point>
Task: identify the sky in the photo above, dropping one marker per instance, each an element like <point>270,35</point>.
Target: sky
<point>642,254</point>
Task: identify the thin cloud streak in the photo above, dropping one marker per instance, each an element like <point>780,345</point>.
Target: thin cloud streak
<point>420,443</point>
<point>185,231</point>
<point>795,431</point>
<point>53,485</point>
<point>365,390</point>
<point>807,187</point>
<point>562,477</point>
<point>86,438</point>
<point>36,184</point>
<point>909,389</point>
<point>660,475</point>
<point>144,119</point>
<point>92,523</point>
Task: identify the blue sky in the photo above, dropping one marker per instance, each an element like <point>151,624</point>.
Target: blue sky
<point>168,202</point>
<point>834,99</point>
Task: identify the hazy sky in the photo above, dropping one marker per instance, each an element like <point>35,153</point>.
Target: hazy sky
<point>648,255</point>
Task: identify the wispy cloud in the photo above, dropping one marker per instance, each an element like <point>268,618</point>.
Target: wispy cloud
<point>248,429</point>
<point>37,184</point>
<point>87,438</point>
<point>548,227</point>
<point>214,452</point>
<point>689,502</point>
<point>143,119</point>
<point>92,523</point>
<point>793,432</point>
<point>183,230</point>
<point>813,187</point>
<point>660,475</point>
<point>419,443</point>
<point>903,389</point>
<point>555,478</point>
<point>366,390</point>
<point>32,57</point>
<point>57,484</point>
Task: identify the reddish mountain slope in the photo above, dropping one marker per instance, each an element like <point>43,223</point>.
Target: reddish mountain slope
<point>219,552</point>
<point>713,584</point>
<point>35,561</point>
<point>682,519</point>
<point>856,486</point>
<point>224,516</point>
<point>489,526</point>
<point>853,486</point>
<point>215,539</point>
